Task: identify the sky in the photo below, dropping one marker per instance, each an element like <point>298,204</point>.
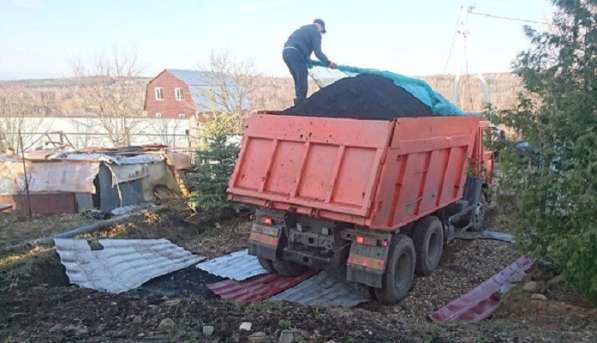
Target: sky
<point>42,38</point>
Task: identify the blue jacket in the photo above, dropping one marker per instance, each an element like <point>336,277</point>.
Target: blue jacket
<point>307,39</point>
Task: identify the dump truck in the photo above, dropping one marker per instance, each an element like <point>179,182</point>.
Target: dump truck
<point>374,201</point>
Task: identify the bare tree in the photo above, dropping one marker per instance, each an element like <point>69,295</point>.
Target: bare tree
<point>168,132</point>
<point>109,90</point>
<point>15,107</point>
<point>232,83</point>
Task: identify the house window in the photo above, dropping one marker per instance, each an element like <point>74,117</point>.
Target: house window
<point>158,93</point>
<point>182,115</point>
<point>158,115</point>
<point>178,94</point>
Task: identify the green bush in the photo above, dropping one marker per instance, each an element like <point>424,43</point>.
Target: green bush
<point>214,164</point>
<point>555,181</point>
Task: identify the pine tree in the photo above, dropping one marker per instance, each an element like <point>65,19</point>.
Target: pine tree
<point>214,165</point>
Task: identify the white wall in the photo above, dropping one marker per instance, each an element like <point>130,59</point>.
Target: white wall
<point>89,131</point>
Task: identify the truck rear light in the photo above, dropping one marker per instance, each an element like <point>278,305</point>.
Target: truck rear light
<point>363,240</point>
<point>266,220</point>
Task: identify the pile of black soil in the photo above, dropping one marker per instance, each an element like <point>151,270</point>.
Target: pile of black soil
<point>185,282</point>
<point>362,97</point>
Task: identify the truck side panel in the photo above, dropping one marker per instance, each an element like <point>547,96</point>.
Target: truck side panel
<point>425,169</point>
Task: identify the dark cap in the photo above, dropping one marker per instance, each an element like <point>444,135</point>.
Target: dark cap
<point>320,22</point>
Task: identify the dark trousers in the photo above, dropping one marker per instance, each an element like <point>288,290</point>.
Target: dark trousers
<point>298,69</point>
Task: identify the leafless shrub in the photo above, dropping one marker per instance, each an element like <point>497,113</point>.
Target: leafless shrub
<point>15,106</point>
<point>113,93</point>
<point>233,82</point>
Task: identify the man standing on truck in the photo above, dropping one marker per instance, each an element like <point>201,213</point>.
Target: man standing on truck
<point>297,51</point>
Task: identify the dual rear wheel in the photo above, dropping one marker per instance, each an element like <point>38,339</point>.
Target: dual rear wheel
<point>421,254</point>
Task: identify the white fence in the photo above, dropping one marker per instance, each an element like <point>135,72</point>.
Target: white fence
<point>83,132</point>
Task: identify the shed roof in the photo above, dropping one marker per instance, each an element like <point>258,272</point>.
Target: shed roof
<point>211,91</point>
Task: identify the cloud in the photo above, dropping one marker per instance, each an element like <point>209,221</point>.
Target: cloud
<point>30,4</point>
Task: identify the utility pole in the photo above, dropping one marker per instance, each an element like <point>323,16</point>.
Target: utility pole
<point>461,43</point>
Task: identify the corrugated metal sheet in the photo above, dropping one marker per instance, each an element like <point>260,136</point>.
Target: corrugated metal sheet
<point>323,289</point>
<point>480,302</point>
<point>103,157</point>
<point>255,289</point>
<point>238,266</point>
<point>487,234</point>
<point>122,264</point>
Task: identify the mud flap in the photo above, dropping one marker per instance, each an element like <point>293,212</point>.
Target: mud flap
<point>367,262</point>
<point>264,241</point>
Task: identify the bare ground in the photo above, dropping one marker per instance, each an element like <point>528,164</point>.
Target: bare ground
<point>16,229</point>
<point>37,304</point>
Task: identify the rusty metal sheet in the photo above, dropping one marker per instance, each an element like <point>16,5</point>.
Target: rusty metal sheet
<point>178,160</point>
<point>480,302</point>
<point>237,266</point>
<point>39,154</point>
<point>324,289</point>
<point>48,176</point>
<point>42,203</point>
<point>255,289</point>
<point>127,173</point>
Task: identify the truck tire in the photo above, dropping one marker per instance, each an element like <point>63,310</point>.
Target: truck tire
<point>428,236</point>
<point>266,264</point>
<point>400,271</point>
<point>287,268</point>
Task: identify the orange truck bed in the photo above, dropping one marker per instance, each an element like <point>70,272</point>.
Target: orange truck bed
<point>376,174</point>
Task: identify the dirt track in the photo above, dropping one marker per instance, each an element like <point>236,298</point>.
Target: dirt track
<point>36,303</point>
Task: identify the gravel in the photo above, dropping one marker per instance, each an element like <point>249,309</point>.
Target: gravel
<point>39,306</point>
<point>465,265</point>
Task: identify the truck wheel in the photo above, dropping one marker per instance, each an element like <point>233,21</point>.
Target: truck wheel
<point>266,264</point>
<point>428,236</point>
<point>287,268</point>
<point>400,271</point>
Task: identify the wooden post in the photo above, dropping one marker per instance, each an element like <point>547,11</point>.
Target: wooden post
<point>29,210</point>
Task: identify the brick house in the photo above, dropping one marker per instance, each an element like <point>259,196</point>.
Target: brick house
<point>178,93</point>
